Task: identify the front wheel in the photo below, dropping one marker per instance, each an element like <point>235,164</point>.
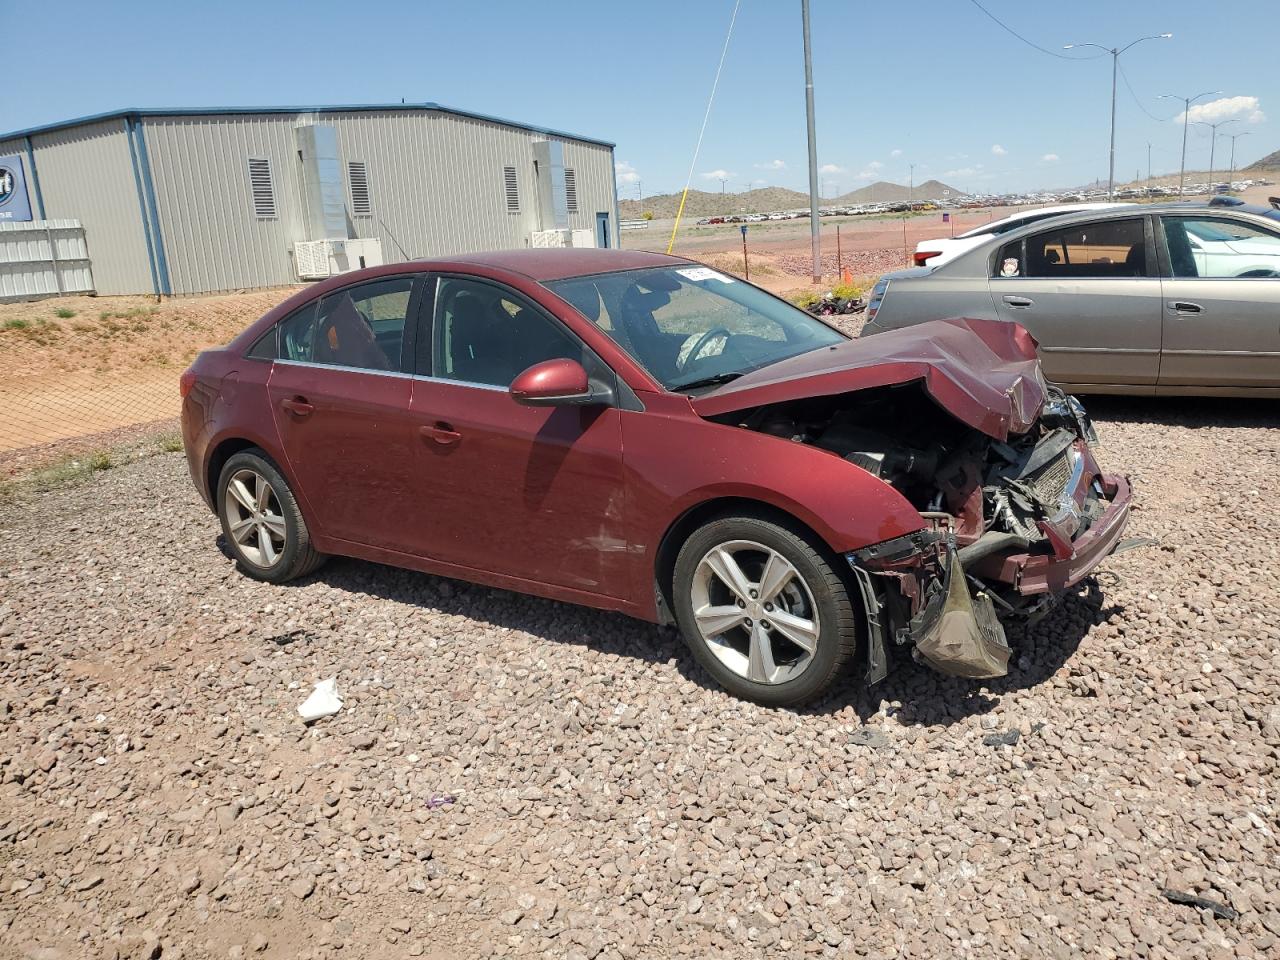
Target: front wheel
<point>763,610</point>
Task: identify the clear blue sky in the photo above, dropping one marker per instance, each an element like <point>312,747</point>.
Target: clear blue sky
<point>934,82</point>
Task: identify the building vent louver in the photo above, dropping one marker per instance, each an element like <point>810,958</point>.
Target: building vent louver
<point>571,190</point>
<point>358,178</point>
<point>512,189</point>
<point>260,186</point>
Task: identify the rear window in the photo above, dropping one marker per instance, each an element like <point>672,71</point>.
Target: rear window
<point>1107,249</point>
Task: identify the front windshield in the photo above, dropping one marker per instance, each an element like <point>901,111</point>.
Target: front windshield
<point>693,326</point>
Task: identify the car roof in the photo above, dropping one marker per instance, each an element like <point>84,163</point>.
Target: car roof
<point>559,263</point>
<point>1121,213</point>
<point>1053,209</point>
<point>964,262</point>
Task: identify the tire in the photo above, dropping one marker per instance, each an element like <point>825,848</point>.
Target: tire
<point>725,629</point>
<point>286,552</point>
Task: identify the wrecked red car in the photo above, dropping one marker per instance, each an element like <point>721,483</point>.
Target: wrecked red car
<point>644,434</point>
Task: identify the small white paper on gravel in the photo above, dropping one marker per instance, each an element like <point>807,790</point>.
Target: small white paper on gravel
<point>324,701</point>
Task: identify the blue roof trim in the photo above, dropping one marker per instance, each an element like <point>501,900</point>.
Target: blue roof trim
<point>327,108</point>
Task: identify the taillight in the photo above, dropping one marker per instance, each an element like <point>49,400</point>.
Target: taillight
<point>921,256</point>
<point>186,382</point>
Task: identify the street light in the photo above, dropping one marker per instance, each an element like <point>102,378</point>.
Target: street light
<point>1186,119</point>
<point>1234,137</point>
<point>1213,142</point>
<point>1115,67</point>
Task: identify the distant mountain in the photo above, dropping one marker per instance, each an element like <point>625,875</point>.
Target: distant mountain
<point>885,192</point>
<point>704,203</point>
<point>1270,162</point>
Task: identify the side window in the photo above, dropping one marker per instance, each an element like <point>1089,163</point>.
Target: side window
<point>1009,261</point>
<point>264,348</point>
<point>487,334</point>
<point>1221,248</point>
<point>296,333</point>
<point>362,326</point>
<point>1107,249</point>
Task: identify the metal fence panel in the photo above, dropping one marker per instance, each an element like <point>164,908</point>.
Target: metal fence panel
<point>41,258</point>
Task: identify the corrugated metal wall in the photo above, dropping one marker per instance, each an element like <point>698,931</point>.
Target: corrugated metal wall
<point>435,182</point>
<point>200,169</point>
<point>86,175</point>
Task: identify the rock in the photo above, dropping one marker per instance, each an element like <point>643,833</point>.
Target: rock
<point>303,887</point>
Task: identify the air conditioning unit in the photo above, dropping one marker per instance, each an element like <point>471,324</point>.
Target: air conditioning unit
<point>317,259</point>
<point>551,239</point>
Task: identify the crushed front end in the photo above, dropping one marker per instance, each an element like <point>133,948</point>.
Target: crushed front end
<point>1010,525</point>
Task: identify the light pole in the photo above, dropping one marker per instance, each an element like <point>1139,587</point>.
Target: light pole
<point>1115,68</point>
<point>1234,137</point>
<point>814,226</point>
<point>1213,142</point>
<point>1186,121</point>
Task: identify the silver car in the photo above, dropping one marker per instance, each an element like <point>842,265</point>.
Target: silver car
<point>1168,299</point>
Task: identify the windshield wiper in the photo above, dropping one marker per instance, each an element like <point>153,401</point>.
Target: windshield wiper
<point>711,381</point>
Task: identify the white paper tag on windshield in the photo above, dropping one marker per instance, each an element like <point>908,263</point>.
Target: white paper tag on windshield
<point>704,273</point>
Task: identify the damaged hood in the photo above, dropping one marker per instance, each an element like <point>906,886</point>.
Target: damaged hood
<point>984,372</point>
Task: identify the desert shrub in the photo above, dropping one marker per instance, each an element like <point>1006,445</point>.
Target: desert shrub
<point>62,313</point>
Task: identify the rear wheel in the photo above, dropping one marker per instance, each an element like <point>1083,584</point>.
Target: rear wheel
<point>763,610</point>
<point>261,521</point>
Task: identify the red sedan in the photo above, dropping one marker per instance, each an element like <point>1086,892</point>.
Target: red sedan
<point>643,434</point>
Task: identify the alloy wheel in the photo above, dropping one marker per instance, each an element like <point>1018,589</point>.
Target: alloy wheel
<point>755,612</point>
<point>254,518</point>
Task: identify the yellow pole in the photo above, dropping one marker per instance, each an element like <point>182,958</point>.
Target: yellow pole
<point>676,226</point>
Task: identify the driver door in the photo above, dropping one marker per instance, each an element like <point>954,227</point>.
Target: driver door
<point>535,493</point>
<point>1221,303</point>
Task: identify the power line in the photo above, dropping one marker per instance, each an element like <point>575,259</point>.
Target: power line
<point>1035,46</point>
<point>705,117</point>
<point>1125,77</point>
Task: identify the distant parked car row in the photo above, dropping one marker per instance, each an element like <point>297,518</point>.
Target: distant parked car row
<point>1175,298</point>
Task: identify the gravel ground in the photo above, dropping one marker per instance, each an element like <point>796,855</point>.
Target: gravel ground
<point>160,796</point>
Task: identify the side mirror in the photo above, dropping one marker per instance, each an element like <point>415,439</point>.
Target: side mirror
<point>555,383</point>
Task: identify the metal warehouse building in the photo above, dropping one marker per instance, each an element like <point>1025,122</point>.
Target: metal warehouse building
<point>200,200</point>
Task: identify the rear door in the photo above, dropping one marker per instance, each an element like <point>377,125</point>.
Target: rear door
<point>1221,303</point>
<point>1090,293</point>
<point>340,396</point>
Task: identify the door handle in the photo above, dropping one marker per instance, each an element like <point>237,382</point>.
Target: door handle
<point>1018,302</point>
<point>442,433</point>
<point>298,406</point>
<point>1185,306</point>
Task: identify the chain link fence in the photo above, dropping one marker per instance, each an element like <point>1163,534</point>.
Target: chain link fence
<point>84,373</point>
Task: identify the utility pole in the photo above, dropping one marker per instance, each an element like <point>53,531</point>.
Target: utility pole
<point>1213,142</point>
<point>1148,163</point>
<point>911,189</point>
<point>813,145</point>
<point>1186,122</point>
<point>1115,69</point>
<point>1234,137</point>
<point>723,181</point>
